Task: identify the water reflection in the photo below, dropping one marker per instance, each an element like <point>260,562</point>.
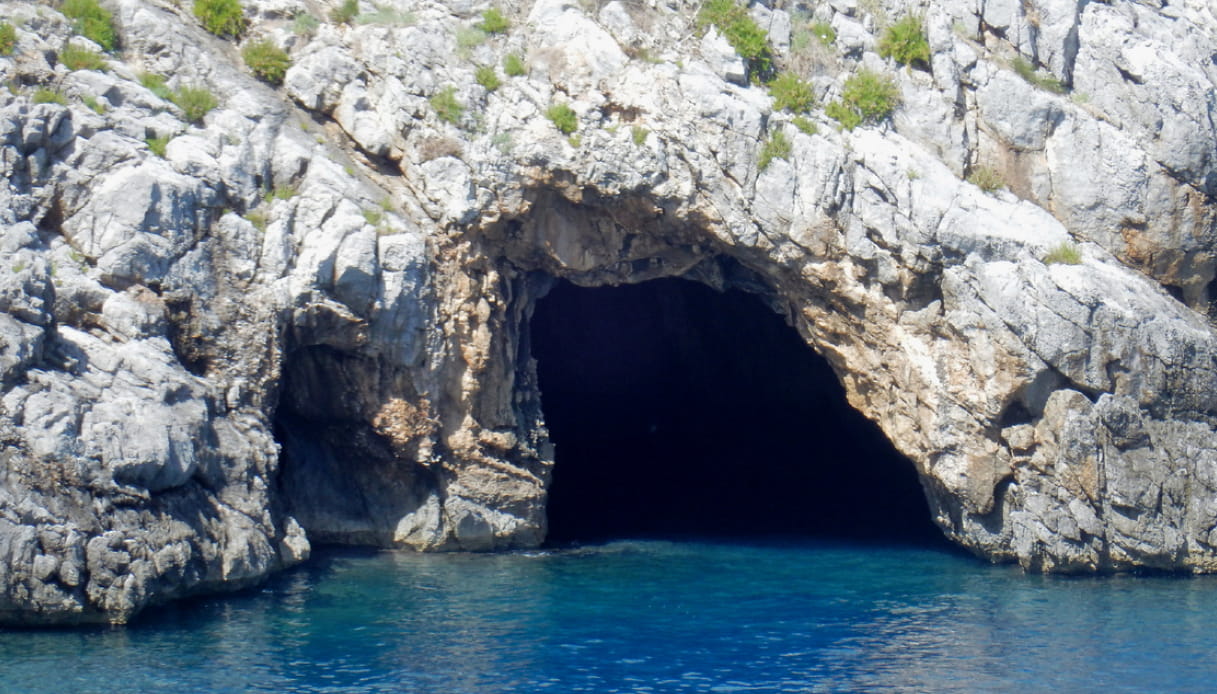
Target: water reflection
<point>648,616</point>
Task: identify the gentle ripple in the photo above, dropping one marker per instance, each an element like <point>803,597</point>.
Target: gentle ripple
<point>649,617</point>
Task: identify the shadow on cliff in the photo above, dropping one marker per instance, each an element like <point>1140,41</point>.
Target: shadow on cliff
<point>677,410</point>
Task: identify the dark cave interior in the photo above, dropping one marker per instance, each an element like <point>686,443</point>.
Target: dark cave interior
<point>680,411</point>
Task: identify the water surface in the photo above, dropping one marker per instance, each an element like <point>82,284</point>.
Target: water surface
<point>649,616</point>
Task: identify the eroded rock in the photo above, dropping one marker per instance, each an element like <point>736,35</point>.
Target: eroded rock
<point>335,273</point>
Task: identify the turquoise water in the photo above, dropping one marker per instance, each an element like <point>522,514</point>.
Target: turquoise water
<point>650,617</point>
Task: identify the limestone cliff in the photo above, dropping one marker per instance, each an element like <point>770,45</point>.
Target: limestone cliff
<point>300,315</point>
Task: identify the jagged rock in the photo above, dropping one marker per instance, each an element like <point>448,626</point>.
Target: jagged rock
<point>355,271</point>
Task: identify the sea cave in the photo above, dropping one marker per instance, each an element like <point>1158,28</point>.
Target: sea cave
<point>677,410</point>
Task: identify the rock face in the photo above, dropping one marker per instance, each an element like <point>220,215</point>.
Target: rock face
<point>307,319</point>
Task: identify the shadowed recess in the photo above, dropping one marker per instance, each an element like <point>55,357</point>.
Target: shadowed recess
<point>678,410</point>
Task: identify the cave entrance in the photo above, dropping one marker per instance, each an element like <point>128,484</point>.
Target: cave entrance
<point>677,410</point>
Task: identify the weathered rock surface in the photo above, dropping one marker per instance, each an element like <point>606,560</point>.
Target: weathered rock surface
<point>304,321</point>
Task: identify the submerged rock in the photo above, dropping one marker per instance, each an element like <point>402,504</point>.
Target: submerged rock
<point>306,319</point>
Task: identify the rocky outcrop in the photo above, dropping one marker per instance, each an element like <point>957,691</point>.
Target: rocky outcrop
<point>306,320</point>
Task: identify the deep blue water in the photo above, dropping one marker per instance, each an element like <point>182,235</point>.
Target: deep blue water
<point>650,617</point>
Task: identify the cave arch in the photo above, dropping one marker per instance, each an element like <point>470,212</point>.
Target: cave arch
<point>442,443</point>
<point>677,409</point>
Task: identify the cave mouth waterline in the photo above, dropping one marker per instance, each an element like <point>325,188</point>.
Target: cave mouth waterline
<point>678,412</point>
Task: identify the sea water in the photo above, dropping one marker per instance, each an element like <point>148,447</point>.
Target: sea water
<point>649,616</point>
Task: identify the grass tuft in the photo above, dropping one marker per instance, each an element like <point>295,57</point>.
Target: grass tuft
<point>156,84</point>
<point>736,25</point>
<point>8,38</point>
<point>49,96</point>
<point>987,179</point>
<point>514,66</point>
<point>776,147</point>
<point>469,38</point>
<point>195,102</point>
<point>905,42</point>
<point>488,78</point>
<point>267,61</point>
<point>868,97</point>
<point>93,22</point>
<point>805,125</point>
<point>259,219</point>
<point>221,17</point>
<point>305,24</point>
<point>345,13</point>
<point>280,193</point>
<point>1064,254</point>
<point>386,16</point>
<point>1027,71</point>
<point>824,33</point>
<point>157,145</point>
<point>493,21</point>
<point>447,107</point>
<point>94,105</point>
<point>563,117</point>
<point>791,94</point>
<point>76,57</point>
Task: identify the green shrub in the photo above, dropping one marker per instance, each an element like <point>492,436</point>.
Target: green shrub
<point>195,102</point>
<point>639,135</point>
<point>748,39</point>
<point>868,97</point>
<point>824,32</point>
<point>1066,254</point>
<point>373,217</point>
<point>157,145</point>
<point>905,42</point>
<point>563,117</point>
<point>791,94</point>
<point>156,84</point>
<point>805,125</point>
<point>8,38</point>
<point>304,24</point>
<point>76,57</point>
<point>986,178</point>
<point>447,107</point>
<point>1028,72</point>
<point>221,17</point>
<point>776,147</point>
<point>345,13</point>
<point>488,78</point>
<point>266,60</point>
<point>93,22</point>
<point>514,66</point>
<point>49,96</point>
<point>493,21</point>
